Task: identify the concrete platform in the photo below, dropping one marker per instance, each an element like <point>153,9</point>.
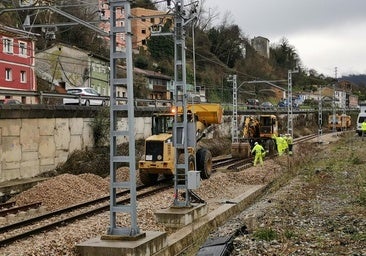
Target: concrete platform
<point>192,234</point>
<point>13,187</point>
<point>150,244</point>
<point>175,218</point>
<point>197,232</point>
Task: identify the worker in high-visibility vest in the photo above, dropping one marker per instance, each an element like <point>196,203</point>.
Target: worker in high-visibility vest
<point>281,144</point>
<point>290,143</point>
<point>259,152</point>
<point>363,128</point>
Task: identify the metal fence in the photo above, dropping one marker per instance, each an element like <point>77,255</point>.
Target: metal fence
<point>57,98</point>
<point>52,98</point>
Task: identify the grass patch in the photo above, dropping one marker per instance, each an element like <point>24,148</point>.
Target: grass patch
<point>266,234</point>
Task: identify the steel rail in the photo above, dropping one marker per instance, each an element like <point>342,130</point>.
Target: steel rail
<point>63,221</point>
<point>7,205</point>
<point>14,210</point>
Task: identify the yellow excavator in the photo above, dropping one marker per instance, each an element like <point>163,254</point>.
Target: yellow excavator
<point>160,154</point>
<point>261,129</point>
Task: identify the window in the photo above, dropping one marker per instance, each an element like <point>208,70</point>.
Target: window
<point>22,48</point>
<point>152,20</point>
<point>8,74</point>
<point>143,19</point>
<point>7,45</point>
<point>23,77</point>
<point>143,42</point>
<point>143,31</point>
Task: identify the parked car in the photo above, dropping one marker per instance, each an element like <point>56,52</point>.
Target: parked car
<point>252,104</point>
<point>284,104</point>
<point>10,102</point>
<point>267,105</point>
<point>83,91</point>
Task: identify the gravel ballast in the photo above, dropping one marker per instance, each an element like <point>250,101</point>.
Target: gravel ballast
<point>311,215</point>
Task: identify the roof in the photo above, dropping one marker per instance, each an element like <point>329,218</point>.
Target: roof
<point>89,53</point>
<point>153,74</point>
<point>17,32</point>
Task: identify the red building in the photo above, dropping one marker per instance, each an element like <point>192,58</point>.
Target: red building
<point>17,62</point>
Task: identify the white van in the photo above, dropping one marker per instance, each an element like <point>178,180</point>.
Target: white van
<point>361,117</point>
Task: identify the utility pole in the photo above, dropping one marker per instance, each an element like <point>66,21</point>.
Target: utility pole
<point>334,130</point>
<point>183,130</point>
<point>320,115</point>
<point>290,117</point>
<point>117,28</point>
<point>234,127</point>
<point>116,132</point>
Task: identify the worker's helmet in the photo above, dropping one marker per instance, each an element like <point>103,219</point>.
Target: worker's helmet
<point>256,143</point>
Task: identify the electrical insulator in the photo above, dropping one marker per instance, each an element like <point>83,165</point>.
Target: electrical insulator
<point>155,28</point>
<point>25,3</point>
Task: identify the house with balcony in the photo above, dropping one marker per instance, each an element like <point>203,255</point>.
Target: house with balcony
<point>142,23</point>
<point>159,85</point>
<point>145,20</point>
<point>17,62</point>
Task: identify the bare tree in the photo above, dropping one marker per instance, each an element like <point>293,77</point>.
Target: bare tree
<point>206,16</point>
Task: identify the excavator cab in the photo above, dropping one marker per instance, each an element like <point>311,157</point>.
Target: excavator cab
<point>162,123</point>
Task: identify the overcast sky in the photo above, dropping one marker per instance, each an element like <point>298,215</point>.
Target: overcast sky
<point>325,33</point>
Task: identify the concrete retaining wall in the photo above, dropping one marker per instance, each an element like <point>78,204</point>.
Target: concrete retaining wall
<point>36,139</point>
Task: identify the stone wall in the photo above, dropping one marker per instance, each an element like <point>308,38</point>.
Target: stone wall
<point>36,139</point>
<point>32,146</point>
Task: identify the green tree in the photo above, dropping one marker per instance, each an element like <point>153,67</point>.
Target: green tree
<point>284,55</point>
<point>161,47</point>
<point>226,43</point>
<point>141,61</point>
<point>147,4</point>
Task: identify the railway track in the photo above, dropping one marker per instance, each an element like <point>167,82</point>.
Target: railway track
<point>21,229</point>
<point>12,209</point>
<point>6,205</point>
<point>31,226</point>
<point>235,164</point>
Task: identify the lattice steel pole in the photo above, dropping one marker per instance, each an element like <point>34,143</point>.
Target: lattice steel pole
<point>334,130</point>
<point>234,129</point>
<point>320,116</point>
<point>290,124</point>
<point>117,28</point>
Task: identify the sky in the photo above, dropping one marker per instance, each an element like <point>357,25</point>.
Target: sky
<point>328,35</point>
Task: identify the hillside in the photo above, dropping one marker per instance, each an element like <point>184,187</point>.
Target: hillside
<point>220,51</point>
<point>356,79</point>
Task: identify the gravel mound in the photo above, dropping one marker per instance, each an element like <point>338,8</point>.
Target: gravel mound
<point>64,190</point>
